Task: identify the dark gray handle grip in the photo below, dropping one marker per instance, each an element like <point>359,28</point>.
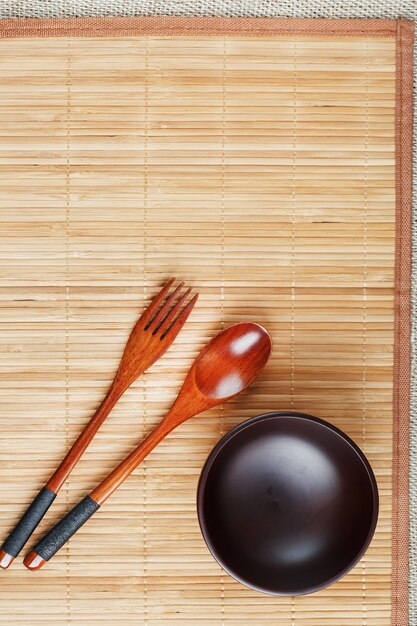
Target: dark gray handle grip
<point>65,528</point>
<point>27,524</point>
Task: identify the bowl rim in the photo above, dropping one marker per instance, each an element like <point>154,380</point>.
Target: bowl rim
<point>203,481</point>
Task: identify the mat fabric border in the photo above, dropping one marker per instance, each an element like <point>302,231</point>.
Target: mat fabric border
<point>402,337</point>
<point>211,26</point>
<point>403,30</point>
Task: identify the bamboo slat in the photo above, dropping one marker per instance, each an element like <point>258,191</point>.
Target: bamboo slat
<point>259,170</point>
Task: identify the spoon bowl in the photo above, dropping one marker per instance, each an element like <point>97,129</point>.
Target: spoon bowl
<point>232,360</point>
<point>228,364</point>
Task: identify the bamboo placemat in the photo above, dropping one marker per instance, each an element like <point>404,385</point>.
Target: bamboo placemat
<point>265,162</point>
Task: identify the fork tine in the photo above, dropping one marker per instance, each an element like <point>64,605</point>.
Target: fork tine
<point>176,326</point>
<point>164,325</point>
<point>150,311</point>
<point>163,311</point>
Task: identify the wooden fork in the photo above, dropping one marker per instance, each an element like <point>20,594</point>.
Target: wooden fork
<point>150,338</point>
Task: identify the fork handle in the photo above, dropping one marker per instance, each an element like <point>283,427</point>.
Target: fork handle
<point>25,527</point>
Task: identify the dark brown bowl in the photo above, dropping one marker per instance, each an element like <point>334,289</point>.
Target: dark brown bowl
<point>287,503</point>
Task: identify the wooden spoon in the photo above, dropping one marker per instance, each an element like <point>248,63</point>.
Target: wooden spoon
<point>229,363</point>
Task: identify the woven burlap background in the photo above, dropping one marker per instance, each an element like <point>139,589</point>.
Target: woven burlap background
<point>265,8</point>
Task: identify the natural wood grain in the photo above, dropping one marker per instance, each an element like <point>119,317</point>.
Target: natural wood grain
<point>261,170</point>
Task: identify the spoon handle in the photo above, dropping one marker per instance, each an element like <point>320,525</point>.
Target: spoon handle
<point>68,525</point>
